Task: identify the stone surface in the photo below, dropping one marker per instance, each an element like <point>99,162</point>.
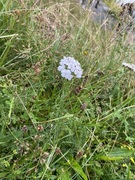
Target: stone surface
<point>100,12</point>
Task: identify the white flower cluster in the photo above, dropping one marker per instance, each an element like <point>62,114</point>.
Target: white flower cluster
<point>70,68</point>
<point>130,66</point>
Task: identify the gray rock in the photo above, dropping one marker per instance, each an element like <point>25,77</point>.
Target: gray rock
<point>100,12</point>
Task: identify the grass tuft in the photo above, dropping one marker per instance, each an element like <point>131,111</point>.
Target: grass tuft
<point>52,128</point>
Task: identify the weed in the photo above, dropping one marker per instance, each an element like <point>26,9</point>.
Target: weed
<point>52,128</point>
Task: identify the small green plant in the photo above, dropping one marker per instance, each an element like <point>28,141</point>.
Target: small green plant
<point>60,127</point>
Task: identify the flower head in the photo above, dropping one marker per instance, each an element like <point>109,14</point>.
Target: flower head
<point>69,68</point>
<point>130,66</point>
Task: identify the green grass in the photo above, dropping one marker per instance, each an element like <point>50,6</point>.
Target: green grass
<point>52,128</point>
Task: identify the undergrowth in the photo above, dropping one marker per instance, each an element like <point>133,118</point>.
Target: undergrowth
<point>52,128</point>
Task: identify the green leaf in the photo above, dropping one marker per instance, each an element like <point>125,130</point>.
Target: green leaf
<point>11,107</point>
<point>116,154</point>
<point>77,168</point>
<point>64,175</point>
<point>4,174</point>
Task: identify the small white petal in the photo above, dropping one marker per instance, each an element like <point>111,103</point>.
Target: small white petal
<point>62,62</point>
<point>69,77</point>
<point>63,72</point>
<point>78,72</point>
<point>66,74</point>
<point>60,68</point>
<point>79,75</point>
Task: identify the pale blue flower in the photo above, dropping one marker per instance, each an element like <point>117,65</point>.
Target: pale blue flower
<point>69,68</point>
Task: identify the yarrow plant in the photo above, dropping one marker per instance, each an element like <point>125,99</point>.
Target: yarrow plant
<point>69,68</point>
<point>130,66</point>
